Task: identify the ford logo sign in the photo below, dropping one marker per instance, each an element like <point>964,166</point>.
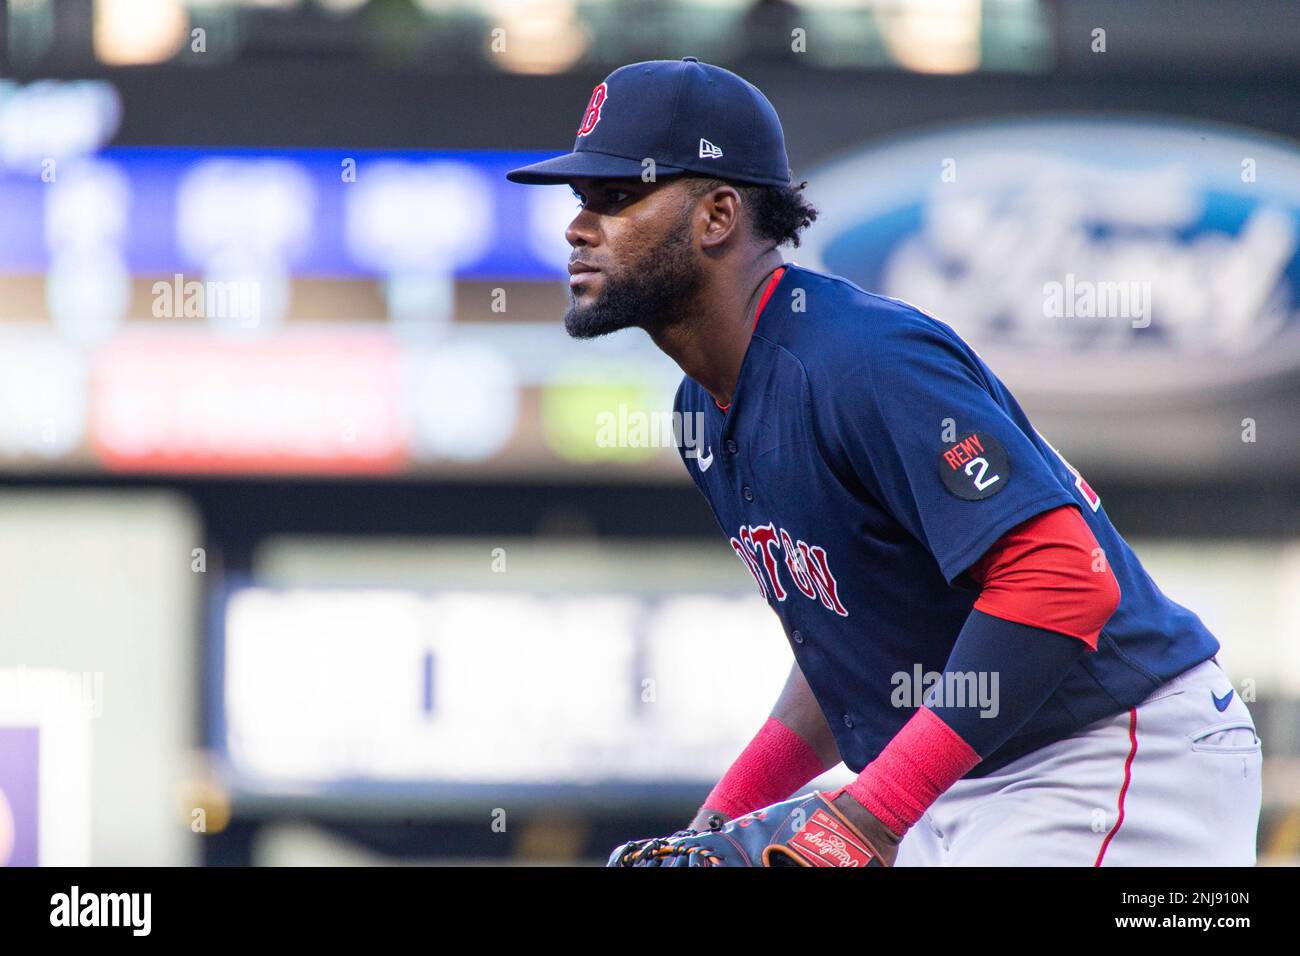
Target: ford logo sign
<point>1086,256</point>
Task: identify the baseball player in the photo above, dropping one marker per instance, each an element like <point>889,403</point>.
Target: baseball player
<point>971,636</point>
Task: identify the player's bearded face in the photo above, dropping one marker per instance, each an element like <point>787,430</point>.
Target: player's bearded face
<point>648,284</point>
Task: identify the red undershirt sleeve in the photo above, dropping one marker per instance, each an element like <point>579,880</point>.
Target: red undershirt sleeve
<point>1049,572</point>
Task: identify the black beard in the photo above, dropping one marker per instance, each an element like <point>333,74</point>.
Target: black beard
<point>649,294</point>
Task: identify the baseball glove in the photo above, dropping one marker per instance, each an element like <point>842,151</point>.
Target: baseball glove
<point>803,831</point>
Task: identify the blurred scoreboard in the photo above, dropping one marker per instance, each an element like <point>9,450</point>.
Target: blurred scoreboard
<point>304,312</point>
<point>369,213</point>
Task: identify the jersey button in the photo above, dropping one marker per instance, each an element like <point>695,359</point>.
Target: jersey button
<point>848,721</point>
<point>746,493</point>
<point>731,447</point>
<point>798,637</point>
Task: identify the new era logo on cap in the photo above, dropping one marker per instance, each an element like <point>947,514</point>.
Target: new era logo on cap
<point>708,150</point>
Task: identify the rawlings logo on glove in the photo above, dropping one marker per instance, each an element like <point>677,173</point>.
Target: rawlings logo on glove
<point>803,831</point>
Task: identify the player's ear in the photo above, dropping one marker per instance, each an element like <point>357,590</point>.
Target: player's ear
<point>722,213</point>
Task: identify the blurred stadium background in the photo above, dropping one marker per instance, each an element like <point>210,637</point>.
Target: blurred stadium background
<point>321,543</point>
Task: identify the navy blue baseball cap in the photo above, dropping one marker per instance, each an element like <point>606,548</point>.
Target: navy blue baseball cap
<point>683,114</point>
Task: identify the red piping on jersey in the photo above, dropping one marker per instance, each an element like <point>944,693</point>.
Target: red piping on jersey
<point>762,301</point>
<point>767,293</point>
<point>1128,774</point>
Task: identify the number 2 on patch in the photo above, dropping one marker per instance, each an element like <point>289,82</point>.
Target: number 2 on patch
<point>980,481</point>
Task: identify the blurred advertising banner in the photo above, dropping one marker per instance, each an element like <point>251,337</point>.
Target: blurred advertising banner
<point>1136,281</point>
<point>45,765</point>
<point>358,693</point>
<point>179,403</point>
<point>20,749</point>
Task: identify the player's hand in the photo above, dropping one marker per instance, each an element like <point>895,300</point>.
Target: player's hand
<point>805,831</point>
<point>879,835</point>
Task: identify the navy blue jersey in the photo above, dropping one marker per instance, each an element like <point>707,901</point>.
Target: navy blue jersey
<point>867,459</point>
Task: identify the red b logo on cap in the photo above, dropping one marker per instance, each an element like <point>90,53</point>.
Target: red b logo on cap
<point>592,116</point>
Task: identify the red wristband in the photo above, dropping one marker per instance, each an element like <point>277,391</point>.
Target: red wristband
<point>775,764</point>
<point>923,760</point>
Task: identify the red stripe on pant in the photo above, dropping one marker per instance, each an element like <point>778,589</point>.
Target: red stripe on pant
<point>1128,774</point>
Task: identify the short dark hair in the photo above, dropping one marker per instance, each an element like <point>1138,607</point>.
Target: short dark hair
<point>778,213</point>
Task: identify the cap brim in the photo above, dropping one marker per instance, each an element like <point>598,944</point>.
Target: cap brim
<point>585,164</point>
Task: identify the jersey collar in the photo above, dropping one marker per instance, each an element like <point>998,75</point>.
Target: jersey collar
<point>762,301</point>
